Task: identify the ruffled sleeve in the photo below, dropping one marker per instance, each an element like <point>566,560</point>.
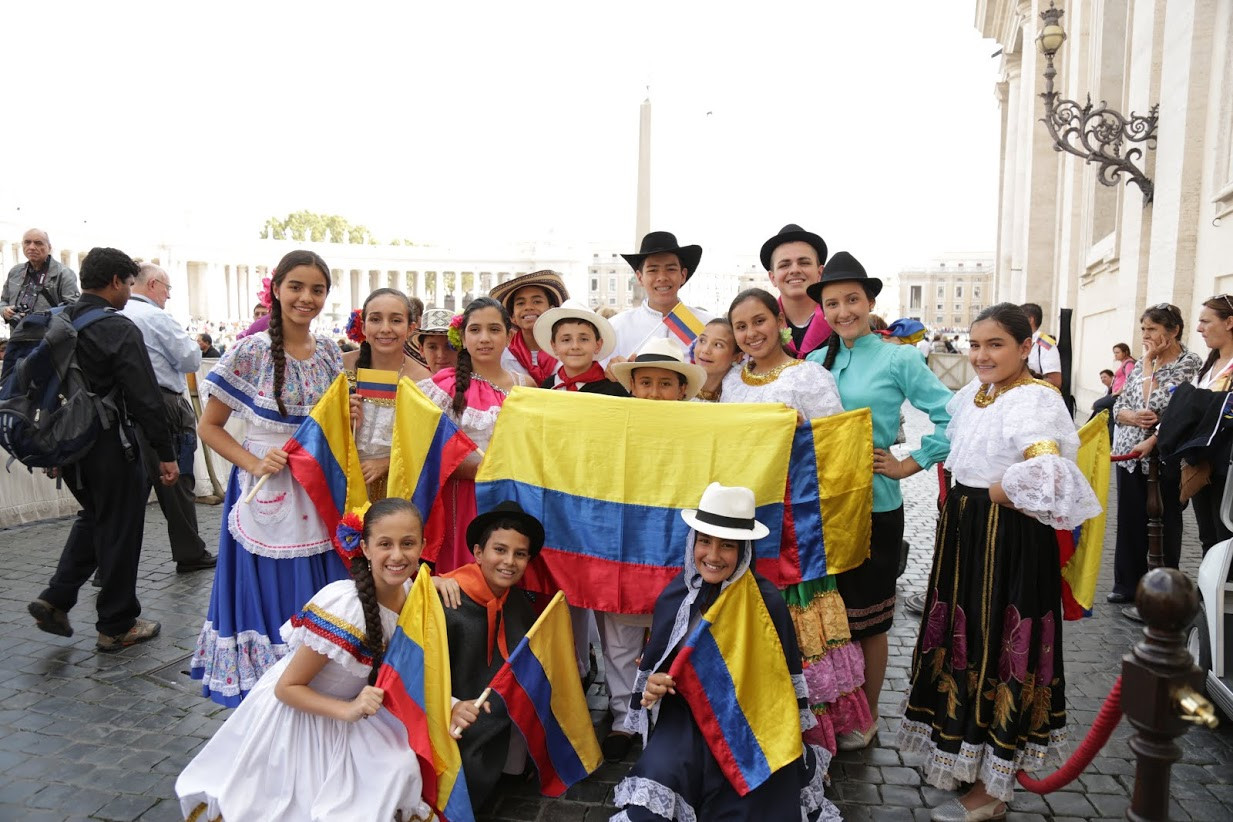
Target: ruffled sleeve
<point>439,388</point>
<point>332,624</point>
<point>1047,485</point>
<point>815,392</point>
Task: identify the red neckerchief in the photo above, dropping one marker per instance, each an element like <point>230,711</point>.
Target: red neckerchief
<point>593,374</point>
<point>539,371</point>
<point>471,579</point>
<point>819,329</point>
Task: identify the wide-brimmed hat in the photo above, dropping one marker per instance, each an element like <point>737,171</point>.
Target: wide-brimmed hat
<point>434,321</point>
<point>668,355</point>
<point>664,242</point>
<point>843,267</point>
<point>508,510</point>
<point>792,233</point>
<point>727,512</point>
<point>575,311</point>
<point>551,281</point>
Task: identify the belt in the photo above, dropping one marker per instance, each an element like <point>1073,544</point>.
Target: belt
<point>169,391</point>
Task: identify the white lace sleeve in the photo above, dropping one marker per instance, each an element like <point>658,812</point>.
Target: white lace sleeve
<point>1047,485</point>
<point>332,624</point>
<point>816,395</point>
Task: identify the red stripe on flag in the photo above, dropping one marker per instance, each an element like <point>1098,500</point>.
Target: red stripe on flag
<point>399,702</point>
<point>689,686</point>
<point>522,712</point>
<point>588,582</point>
<point>309,474</point>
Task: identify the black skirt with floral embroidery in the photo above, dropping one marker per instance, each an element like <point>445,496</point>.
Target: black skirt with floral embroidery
<point>987,696</point>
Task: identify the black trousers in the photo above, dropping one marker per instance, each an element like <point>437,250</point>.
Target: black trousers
<point>179,501</point>
<point>112,489</point>
<point>1130,561</point>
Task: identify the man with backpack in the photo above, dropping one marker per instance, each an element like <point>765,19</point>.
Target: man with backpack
<point>39,284</point>
<point>109,481</point>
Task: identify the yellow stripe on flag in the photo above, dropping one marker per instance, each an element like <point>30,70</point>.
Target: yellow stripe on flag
<point>413,412</point>
<point>551,639</point>
<point>1083,568</point>
<point>843,445</point>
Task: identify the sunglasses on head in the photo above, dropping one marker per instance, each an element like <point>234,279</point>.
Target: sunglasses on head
<point>1224,297</point>
<point>1170,308</point>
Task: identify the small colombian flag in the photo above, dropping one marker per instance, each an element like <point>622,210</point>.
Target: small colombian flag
<point>684,324</point>
<point>376,385</point>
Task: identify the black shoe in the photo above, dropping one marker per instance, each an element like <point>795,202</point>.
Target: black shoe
<point>203,563</point>
<point>96,580</point>
<point>616,746</point>
<point>50,618</point>
<point>1118,599</point>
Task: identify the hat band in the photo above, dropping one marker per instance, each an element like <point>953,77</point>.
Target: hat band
<point>657,358</point>
<point>725,522</point>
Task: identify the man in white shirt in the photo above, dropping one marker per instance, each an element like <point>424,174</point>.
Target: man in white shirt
<point>173,353</point>
<point>1044,357</point>
<point>662,266</point>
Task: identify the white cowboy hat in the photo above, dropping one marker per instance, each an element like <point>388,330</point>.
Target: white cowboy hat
<point>726,512</point>
<point>666,354</point>
<point>574,311</point>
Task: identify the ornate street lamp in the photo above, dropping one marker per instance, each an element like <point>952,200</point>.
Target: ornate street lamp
<point>1094,133</point>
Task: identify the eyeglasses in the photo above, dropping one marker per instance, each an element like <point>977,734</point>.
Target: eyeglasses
<point>165,284</point>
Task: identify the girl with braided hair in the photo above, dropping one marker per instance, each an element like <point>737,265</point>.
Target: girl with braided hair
<point>471,394</point>
<point>273,552</point>
<point>297,748</point>
<point>381,328</point>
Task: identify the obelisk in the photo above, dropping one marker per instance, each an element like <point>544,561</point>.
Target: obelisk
<point>642,219</point>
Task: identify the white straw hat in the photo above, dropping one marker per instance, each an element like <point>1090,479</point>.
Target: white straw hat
<point>726,512</point>
<point>666,354</point>
<point>575,311</point>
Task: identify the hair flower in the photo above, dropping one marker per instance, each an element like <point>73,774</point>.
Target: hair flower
<point>265,296</point>
<point>348,534</point>
<point>355,326</point>
<point>785,335</point>
<point>454,335</point>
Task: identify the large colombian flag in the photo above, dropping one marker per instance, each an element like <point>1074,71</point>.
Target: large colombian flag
<point>609,476</point>
<point>321,455</point>
<point>427,448</point>
<point>1080,549</point>
<point>415,675</point>
<point>539,683</point>
<point>732,672</point>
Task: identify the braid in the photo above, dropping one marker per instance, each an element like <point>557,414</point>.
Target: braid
<point>374,639</point>
<point>832,351</point>
<point>365,358</point>
<point>462,381</point>
<point>277,353</point>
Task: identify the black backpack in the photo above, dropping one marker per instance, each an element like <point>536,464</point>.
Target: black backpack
<point>48,415</point>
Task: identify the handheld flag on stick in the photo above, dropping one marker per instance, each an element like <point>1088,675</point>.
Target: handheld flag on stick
<point>1080,549</point>
<point>540,686</point>
<point>684,324</point>
<point>733,674</point>
<point>375,384</point>
<point>427,448</point>
<point>321,455</point>
<point>415,675</point>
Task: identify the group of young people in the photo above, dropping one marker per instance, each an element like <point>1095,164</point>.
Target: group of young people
<point>295,633</point>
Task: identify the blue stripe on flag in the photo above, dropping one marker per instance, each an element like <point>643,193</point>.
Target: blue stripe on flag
<point>406,657</point>
<point>712,671</point>
<point>806,505</point>
<point>616,531</point>
<point>315,442</point>
<point>534,682</point>
<point>430,480</point>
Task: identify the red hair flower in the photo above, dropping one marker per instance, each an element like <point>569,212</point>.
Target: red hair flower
<point>347,537</point>
<point>355,326</point>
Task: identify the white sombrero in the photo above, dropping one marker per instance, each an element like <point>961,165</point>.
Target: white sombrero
<point>666,354</point>
<point>574,311</point>
<point>726,512</point>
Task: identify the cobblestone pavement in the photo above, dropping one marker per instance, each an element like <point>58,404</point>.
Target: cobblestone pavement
<point>87,735</point>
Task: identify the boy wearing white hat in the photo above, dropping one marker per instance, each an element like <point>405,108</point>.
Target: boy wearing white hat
<point>578,338</point>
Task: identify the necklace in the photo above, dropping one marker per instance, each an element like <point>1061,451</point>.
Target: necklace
<point>750,378</point>
<point>709,396</point>
<point>983,398</point>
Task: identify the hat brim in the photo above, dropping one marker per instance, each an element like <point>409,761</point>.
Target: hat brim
<point>532,526</point>
<point>690,515</point>
<point>768,247</point>
<point>873,286</point>
<point>549,281</point>
<point>689,255</point>
<point>695,375</point>
<point>543,328</point>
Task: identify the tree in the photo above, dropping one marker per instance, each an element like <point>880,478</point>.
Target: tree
<point>308,225</point>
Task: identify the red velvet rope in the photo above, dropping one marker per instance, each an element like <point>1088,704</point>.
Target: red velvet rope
<point>1110,714</point>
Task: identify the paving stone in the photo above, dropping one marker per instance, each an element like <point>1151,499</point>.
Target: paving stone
<point>125,808</point>
<point>1065,803</point>
<point>70,798</point>
<point>900,776</point>
<point>1205,810</point>
<point>1109,804</point>
<point>901,796</point>
<point>558,811</point>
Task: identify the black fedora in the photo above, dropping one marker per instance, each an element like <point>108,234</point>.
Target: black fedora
<point>843,267</point>
<point>792,233</point>
<point>664,242</point>
<point>508,510</point>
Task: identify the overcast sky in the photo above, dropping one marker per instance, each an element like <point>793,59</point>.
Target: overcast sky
<point>873,123</point>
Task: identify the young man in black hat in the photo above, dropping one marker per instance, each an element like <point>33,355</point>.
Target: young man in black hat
<point>793,260</point>
<point>662,266</point>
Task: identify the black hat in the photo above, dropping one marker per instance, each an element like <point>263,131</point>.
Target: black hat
<point>792,233</point>
<point>507,510</point>
<point>843,267</point>
<point>663,242</point>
